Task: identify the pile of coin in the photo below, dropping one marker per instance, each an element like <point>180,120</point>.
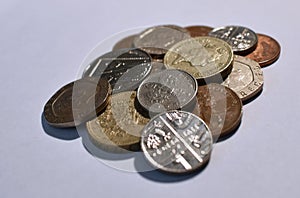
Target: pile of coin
<point>169,91</point>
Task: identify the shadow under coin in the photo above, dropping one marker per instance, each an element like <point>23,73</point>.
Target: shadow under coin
<point>59,133</point>
<point>253,98</point>
<point>229,135</point>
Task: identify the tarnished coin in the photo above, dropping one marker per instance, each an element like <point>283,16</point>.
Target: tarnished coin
<point>220,108</point>
<point>157,40</point>
<point>119,126</point>
<point>124,69</point>
<point>246,78</point>
<point>125,43</point>
<point>266,52</point>
<point>198,30</point>
<point>202,57</point>
<point>167,90</point>
<point>77,102</point>
<point>177,142</point>
<point>242,39</point>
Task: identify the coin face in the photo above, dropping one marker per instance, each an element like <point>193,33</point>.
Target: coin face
<point>119,126</point>
<point>202,57</point>
<point>125,43</point>
<point>220,108</point>
<point>198,30</point>
<point>124,69</point>
<point>77,102</point>
<point>157,40</point>
<point>167,90</point>
<point>246,78</point>
<point>241,39</point>
<point>266,52</point>
<point>176,142</point>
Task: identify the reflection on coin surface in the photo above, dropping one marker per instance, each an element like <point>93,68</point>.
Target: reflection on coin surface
<point>124,69</point>
<point>246,78</point>
<point>202,57</point>
<point>167,90</point>
<point>126,42</point>
<point>220,108</point>
<point>266,52</point>
<point>198,30</point>
<point>241,39</point>
<point>119,126</point>
<point>158,39</point>
<point>77,102</point>
<point>177,142</point>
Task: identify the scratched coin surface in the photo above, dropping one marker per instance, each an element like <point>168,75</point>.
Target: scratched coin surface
<point>246,78</point>
<point>266,52</point>
<point>157,40</point>
<point>177,142</point>
<point>168,89</point>
<point>119,126</point>
<point>198,30</point>
<point>77,102</point>
<point>124,43</point>
<point>242,39</point>
<point>202,57</point>
<point>124,69</point>
<point>220,108</point>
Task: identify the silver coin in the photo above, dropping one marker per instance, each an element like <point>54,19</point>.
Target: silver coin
<point>241,39</point>
<point>177,142</point>
<point>168,89</point>
<point>124,69</point>
<point>157,67</point>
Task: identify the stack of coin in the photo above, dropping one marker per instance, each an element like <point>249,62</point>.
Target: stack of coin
<point>168,90</point>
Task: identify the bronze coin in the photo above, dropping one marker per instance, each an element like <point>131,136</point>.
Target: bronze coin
<point>126,42</point>
<point>198,30</point>
<point>220,108</point>
<point>266,52</point>
<point>77,102</point>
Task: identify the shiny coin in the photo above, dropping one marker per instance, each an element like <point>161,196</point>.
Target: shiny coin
<point>125,43</point>
<point>246,78</point>
<point>266,52</point>
<point>77,102</point>
<point>202,57</point>
<point>242,39</point>
<point>119,126</point>
<point>198,30</point>
<point>158,40</point>
<point>124,69</point>
<point>167,90</point>
<point>220,108</point>
<point>177,142</point>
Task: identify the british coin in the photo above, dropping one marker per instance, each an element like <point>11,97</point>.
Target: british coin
<point>242,40</point>
<point>77,102</point>
<point>198,30</point>
<point>177,142</point>
<point>202,57</point>
<point>124,69</point>
<point>266,52</point>
<point>167,90</point>
<point>124,43</point>
<point>119,126</point>
<point>157,40</point>
<point>246,78</point>
<point>220,108</point>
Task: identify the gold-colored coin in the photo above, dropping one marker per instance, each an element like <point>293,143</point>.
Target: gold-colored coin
<point>203,57</point>
<point>119,126</point>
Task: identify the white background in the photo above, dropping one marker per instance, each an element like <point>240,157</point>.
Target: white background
<point>42,44</point>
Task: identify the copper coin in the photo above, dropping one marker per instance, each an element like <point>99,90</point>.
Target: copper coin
<point>77,102</point>
<point>126,42</point>
<point>220,108</point>
<point>266,52</point>
<point>196,31</point>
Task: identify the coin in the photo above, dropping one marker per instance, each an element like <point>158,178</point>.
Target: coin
<point>220,108</point>
<point>167,90</point>
<point>119,126</point>
<point>77,102</point>
<point>198,30</point>
<point>157,67</point>
<point>246,78</point>
<point>176,142</point>
<point>124,43</point>
<point>202,57</point>
<point>242,39</point>
<point>124,69</point>
<point>157,40</point>
<point>266,52</point>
